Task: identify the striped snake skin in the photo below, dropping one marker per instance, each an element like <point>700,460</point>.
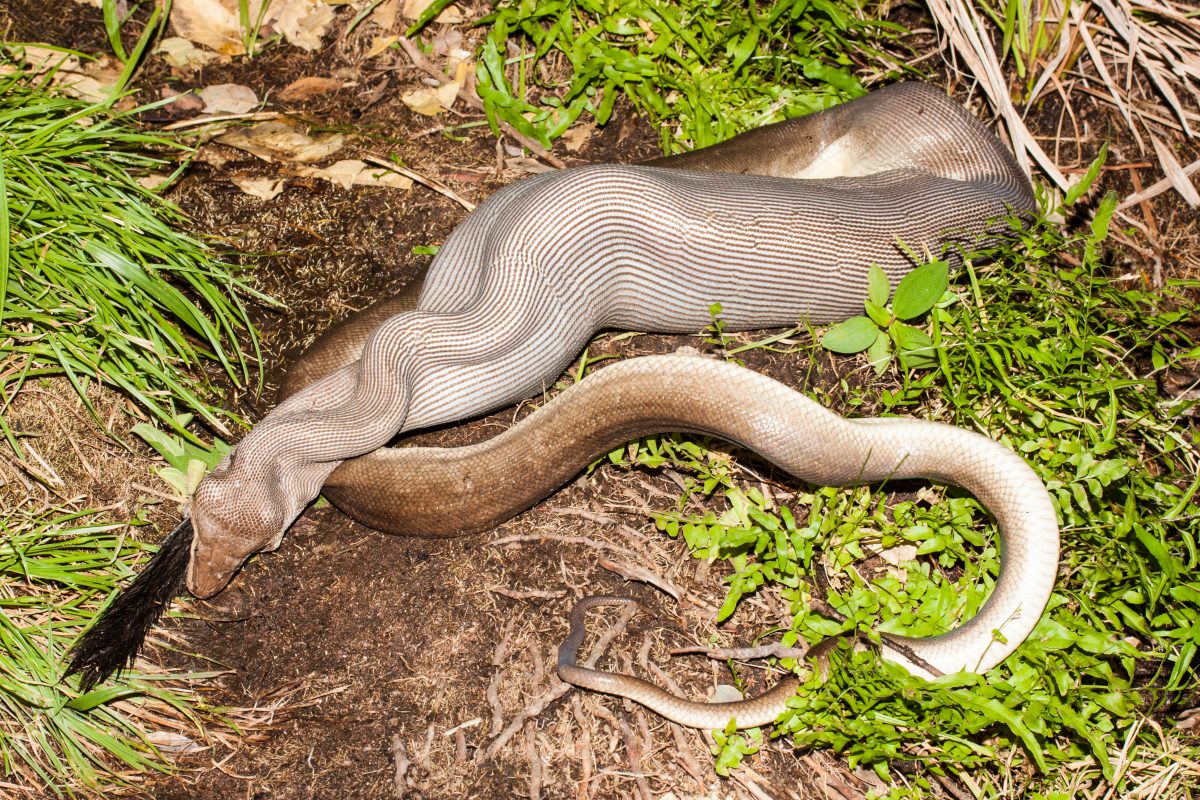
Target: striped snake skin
<point>777,224</point>
<point>432,491</point>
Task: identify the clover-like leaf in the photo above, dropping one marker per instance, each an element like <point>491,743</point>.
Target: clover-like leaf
<point>920,289</point>
<point>878,287</point>
<point>852,336</point>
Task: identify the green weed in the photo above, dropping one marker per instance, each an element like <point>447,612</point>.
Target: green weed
<point>1039,347</point>
<point>702,70</point>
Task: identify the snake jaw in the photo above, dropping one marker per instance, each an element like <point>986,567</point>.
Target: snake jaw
<point>229,528</point>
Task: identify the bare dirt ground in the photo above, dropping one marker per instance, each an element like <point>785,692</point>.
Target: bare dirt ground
<point>379,666</point>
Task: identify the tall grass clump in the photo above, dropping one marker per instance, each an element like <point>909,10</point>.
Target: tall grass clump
<point>97,282</point>
<point>1040,347</point>
<point>56,568</point>
<point>703,71</point>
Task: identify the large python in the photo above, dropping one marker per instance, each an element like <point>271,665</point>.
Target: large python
<point>516,291</point>
<point>775,224</point>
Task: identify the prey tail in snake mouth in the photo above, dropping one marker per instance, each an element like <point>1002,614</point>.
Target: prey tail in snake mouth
<point>113,642</point>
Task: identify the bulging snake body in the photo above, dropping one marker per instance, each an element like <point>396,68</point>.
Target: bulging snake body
<point>777,224</point>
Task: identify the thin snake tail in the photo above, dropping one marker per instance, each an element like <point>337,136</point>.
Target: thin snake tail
<point>114,641</point>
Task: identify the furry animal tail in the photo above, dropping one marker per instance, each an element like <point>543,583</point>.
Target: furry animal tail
<point>113,642</point>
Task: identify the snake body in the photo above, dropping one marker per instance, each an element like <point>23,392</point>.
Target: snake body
<point>775,224</point>
<point>448,491</point>
<point>516,291</point>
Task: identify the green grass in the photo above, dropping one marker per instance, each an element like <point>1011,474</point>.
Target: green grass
<point>703,71</point>
<point>1037,346</point>
<point>56,570</point>
<point>97,283</point>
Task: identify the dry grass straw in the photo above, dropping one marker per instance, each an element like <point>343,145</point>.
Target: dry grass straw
<point>1140,56</point>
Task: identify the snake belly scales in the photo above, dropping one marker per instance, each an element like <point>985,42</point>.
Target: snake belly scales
<point>778,224</point>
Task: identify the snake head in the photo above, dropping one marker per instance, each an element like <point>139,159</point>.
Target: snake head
<point>233,517</point>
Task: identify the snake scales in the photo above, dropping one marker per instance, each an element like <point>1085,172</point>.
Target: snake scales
<point>777,224</point>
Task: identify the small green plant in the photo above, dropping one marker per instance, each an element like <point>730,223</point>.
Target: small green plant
<point>703,71</point>
<point>884,333</point>
<point>187,462</point>
<point>730,747</point>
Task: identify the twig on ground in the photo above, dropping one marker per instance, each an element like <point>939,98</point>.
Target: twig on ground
<point>424,180</point>
<point>1157,188</point>
<point>635,751</point>
<point>535,762</point>
<point>400,757</point>
<point>775,650</point>
<point>636,572</point>
<point>584,747</point>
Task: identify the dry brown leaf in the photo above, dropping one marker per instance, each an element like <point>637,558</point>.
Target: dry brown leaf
<point>277,141</point>
<point>92,81</point>
<point>450,14</point>
<point>352,172</point>
<point>432,101</point>
<point>576,137</point>
<point>39,58</point>
<point>181,103</point>
<point>380,44</point>
<point>385,14</point>
<point>228,98</point>
<point>95,82</point>
<point>212,23</point>
<point>180,52</point>
<point>303,22</point>
<point>153,181</point>
<point>306,88</point>
<point>262,188</point>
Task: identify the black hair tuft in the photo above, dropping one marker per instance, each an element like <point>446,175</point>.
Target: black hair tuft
<point>113,642</point>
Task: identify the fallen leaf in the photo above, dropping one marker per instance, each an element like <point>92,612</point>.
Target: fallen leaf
<point>212,23</point>
<point>432,101</point>
<point>447,39</point>
<point>306,88</point>
<point>450,14</point>
<point>228,98</point>
<point>303,22</point>
<point>277,141</point>
<point>39,58</point>
<point>171,742</point>
<point>576,137</point>
<point>380,44</point>
<point>263,188</point>
<point>352,172</point>
<point>524,165</point>
<point>181,103</point>
<point>94,81</point>
<point>724,693</point>
<point>180,52</point>
<point>1175,174</point>
<point>153,181</point>
<point>384,14</point>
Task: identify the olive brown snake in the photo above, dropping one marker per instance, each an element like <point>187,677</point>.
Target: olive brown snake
<point>777,224</point>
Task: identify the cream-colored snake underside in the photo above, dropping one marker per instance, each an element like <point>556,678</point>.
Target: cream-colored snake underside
<point>757,224</point>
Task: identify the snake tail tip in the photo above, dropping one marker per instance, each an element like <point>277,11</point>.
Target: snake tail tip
<point>114,641</point>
